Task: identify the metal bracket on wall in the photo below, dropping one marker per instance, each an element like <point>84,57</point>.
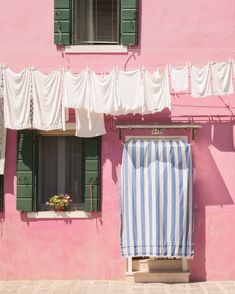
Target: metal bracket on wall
<point>157,128</point>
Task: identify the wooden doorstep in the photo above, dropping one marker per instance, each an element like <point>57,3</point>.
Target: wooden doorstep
<point>158,277</point>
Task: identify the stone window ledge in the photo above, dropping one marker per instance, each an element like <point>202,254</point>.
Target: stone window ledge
<point>58,215</point>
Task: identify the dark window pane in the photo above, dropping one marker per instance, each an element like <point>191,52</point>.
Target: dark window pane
<point>60,168</point>
<point>96,21</point>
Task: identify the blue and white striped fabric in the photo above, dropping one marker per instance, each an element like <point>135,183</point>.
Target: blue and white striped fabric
<point>156,199</point>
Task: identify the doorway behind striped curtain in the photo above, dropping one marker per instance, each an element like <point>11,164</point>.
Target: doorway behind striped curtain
<point>156,199</point>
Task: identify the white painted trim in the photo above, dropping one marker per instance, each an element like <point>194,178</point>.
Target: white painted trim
<point>61,214</point>
<point>96,49</point>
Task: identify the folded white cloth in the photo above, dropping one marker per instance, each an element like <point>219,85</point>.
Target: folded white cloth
<point>222,78</point>
<point>89,124</point>
<point>47,101</point>
<point>201,81</point>
<point>156,91</point>
<point>179,78</point>
<point>17,99</point>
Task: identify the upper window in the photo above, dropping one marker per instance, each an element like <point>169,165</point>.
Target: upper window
<point>96,22</point>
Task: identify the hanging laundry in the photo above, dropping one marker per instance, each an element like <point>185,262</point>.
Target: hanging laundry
<point>179,78</point>
<point>201,81</point>
<point>156,91</point>
<point>47,101</point>
<point>103,93</point>
<point>222,78</point>
<point>130,91</point>
<point>89,124</point>
<point>77,90</point>
<point>17,97</point>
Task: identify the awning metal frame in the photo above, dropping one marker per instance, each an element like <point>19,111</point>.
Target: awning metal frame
<point>157,128</point>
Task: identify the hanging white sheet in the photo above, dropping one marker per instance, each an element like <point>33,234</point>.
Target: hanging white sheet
<point>104,93</point>
<point>201,81</point>
<point>17,98</point>
<point>130,91</point>
<point>47,101</point>
<point>222,78</point>
<point>77,90</point>
<point>179,78</point>
<point>89,124</point>
<point>156,91</point>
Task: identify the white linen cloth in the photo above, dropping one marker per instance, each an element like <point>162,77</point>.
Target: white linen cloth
<point>47,101</point>
<point>17,98</point>
<point>89,124</point>
<point>222,78</point>
<point>156,91</point>
<point>130,91</point>
<point>179,78</point>
<point>77,90</point>
<point>201,81</point>
<point>104,93</point>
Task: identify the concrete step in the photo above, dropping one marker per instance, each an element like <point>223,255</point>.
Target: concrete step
<point>153,264</point>
<point>158,277</point>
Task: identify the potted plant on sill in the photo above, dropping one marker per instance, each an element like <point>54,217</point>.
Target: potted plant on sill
<point>59,202</point>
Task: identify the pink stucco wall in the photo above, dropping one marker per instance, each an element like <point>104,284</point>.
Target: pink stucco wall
<point>171,32</point>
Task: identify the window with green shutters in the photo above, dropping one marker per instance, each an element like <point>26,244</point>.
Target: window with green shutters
<point>96,22</point>
<point>51,164</point>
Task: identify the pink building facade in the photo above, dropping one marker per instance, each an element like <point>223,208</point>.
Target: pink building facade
<point>170,32</point>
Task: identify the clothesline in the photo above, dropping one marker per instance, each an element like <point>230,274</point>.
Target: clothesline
<point>36,100</point>
<point>92,67</point>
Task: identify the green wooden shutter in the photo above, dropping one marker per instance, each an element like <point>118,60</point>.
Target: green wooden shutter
<point>1,192</point>
<point>62,22</point>
<point>26,170</point>
<point>92,178</point>
<point>129,22</point>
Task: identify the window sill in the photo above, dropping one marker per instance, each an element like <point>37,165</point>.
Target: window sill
<point>96,49</point>
<point>55,215</point>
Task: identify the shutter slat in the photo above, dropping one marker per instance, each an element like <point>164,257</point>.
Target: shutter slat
<point>91,155</point>
<point>62,22</point>
<point>129,22</point>
<point>26,170</point>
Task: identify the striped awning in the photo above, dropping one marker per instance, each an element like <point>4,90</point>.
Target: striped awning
<point>156,199</point>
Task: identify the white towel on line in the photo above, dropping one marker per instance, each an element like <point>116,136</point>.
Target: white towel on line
<point>17,99</point>
<point>47,101</point>
<point>77,90</point>
<point>179,78</point>
<point>222,78</point>
<point>104,93</point>
<point>130,91</point>
<point>89,124</point>
<point>156,91</point>
<point>201,81</point>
